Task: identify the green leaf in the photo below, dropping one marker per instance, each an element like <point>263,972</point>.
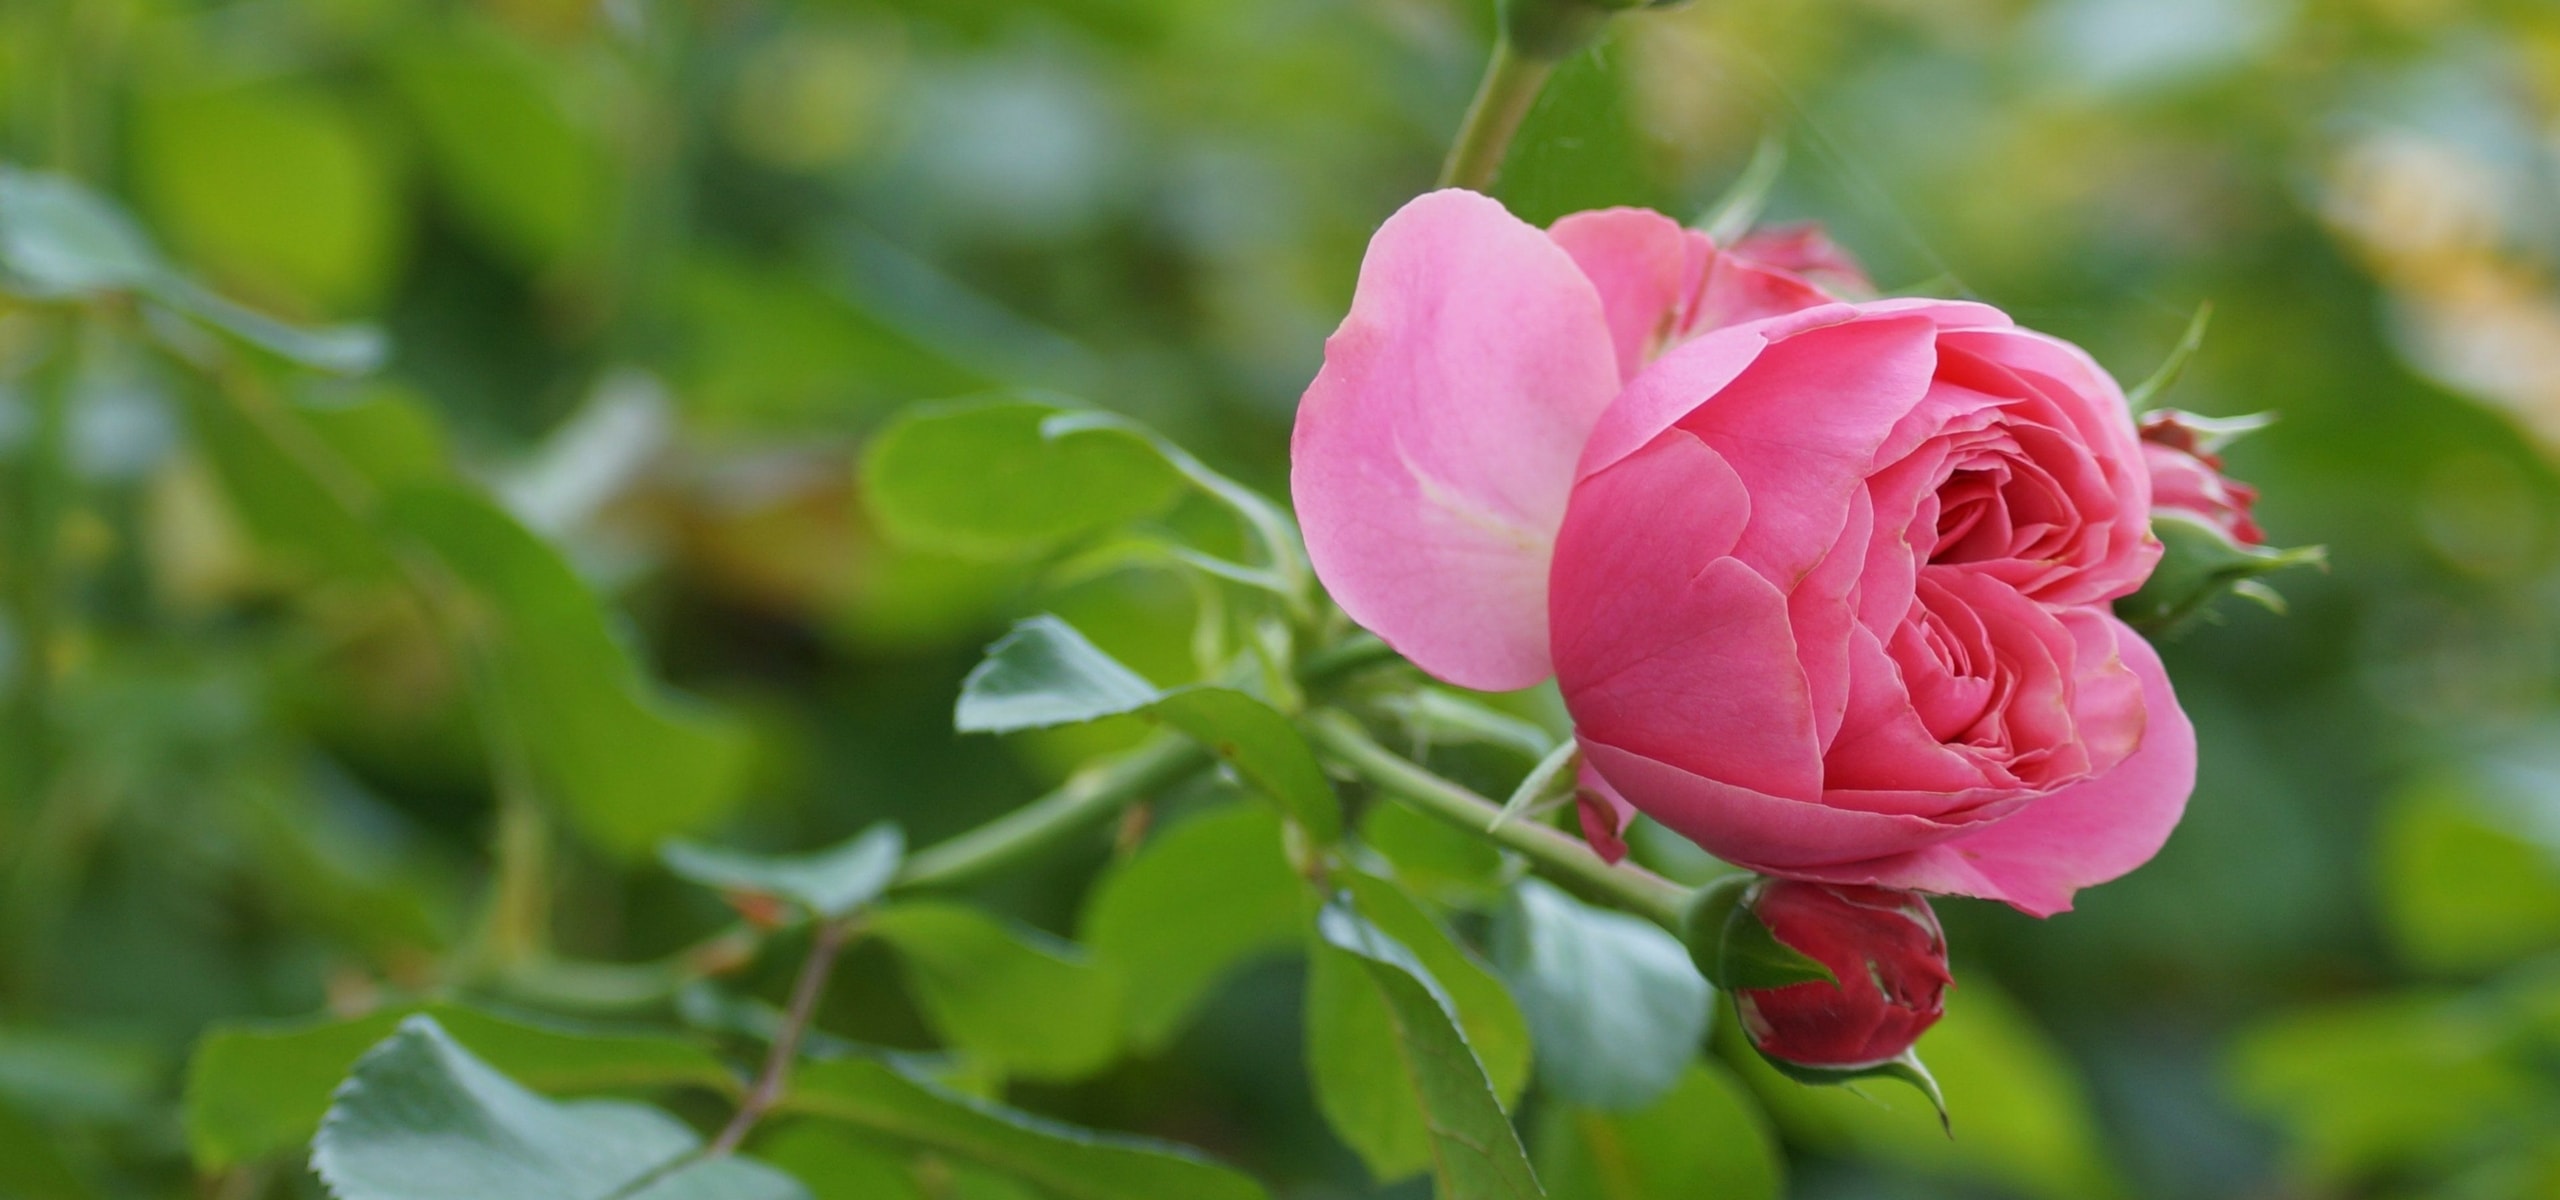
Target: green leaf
<point>629,764</point>
<point>1703,1138</point>
<point>519,169</point>
<point>2465,887</point>
<point>1435,858</point>
<point>421,1118</point>
<point>1061,1160</point>
<point>1264,748</point>
<point>59,238</point>
<point>1022,1000</point>
<point>987,478</point>
<point>830,883</point>
<point>1382,1082</point>
<point>344,349</point>
<point>257,1090</point>
<point>1198,900</point>
<point>1615,1009</point>
<point>2022,1119</point>
<point>275,187</point>
<point>839,1165</point>
<point>32,1162</point>
<point>1045,673</point>
<point>2372,1085</point>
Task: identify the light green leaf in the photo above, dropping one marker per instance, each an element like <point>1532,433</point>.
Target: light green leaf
<point>59,238</point>
<point>2197,565</point>
<point>1382,1082</point>
<point>421,1118</point>
<point>257,1090</point>
<point>278,188</point>
<point>1034,1005</point>
<point>1061,1160</point>
<point>629,764</point>
<point>1614,1007</point>
<point>2022,1119</point>
<point>521,172</point>
<point>986,478</point>
<point>344,349</point>
<point>1045,673</point>
<point>2393,1082</point>
<point>1435,858</point>
<point>830,883</point>
<point>2464,888</point>
<point>1194,903</point>
<point>1703,1138</point>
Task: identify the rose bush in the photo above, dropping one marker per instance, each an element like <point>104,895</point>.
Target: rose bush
<point>1888,960</point>
<point>1823,583</point>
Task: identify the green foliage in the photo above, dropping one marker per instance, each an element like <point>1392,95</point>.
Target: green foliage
<point>1397,1074</point>
<point>422,1119</point>
<point>630,764</point>
<point>1197,901</point>
<point>1022,1001</point>
<point>1045,673</point>
<point>2020,1119</point>
<point>254,1091</point>
<point>2466,884</point>
<point>1702,1137</point>
<point>990,477</point>
<point>831,883</point>
<point>893,1102</point>
<point>1614,1006</point>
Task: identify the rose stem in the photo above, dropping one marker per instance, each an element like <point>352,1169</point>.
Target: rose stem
<point>1558,856</point>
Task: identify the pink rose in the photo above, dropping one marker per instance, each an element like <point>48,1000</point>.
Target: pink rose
<point>2187,478</point>
<point>1824,584</point>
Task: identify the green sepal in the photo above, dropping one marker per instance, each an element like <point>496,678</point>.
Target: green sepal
<point>1905,1066</point>
<point>2199,563</point>
<point>1734,949</point>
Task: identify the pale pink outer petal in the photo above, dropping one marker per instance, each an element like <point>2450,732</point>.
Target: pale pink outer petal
<point>1639,261</point>
<point>2081,836</point>
<point>1434,452</point>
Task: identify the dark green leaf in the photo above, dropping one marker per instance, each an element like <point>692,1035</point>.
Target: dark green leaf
<point>421,1118</point>
<point>629,763</point>
<point>1198,900</point>
<point>1065,1162</point>
<point>1045,673</point>
<point>1264,748</point>
<point>1379,1082</point>
<point>1703,1138</point>
<point>1614,1007</point>
<point>830,883</point>
<point>1019,999</point>
<point>32,1162</point>
<point>253,1091</point>
<point>987,478</point>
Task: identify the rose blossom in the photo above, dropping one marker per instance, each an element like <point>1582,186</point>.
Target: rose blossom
<point>1823,583</point>
<point>1888,962</point>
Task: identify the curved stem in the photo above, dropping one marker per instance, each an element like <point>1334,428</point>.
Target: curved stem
<point>1563,859</point>
<point>1511,84</point>
<point>825,944</point>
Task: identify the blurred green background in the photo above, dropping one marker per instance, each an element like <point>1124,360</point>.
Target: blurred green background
<point>652,270</point>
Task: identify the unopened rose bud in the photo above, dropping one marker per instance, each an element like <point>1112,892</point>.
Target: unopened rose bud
<point>1888,959</point>
<point>2187,478</point>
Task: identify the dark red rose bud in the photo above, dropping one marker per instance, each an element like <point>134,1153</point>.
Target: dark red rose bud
<point>1889,956</point>
<point>2186,476</point>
